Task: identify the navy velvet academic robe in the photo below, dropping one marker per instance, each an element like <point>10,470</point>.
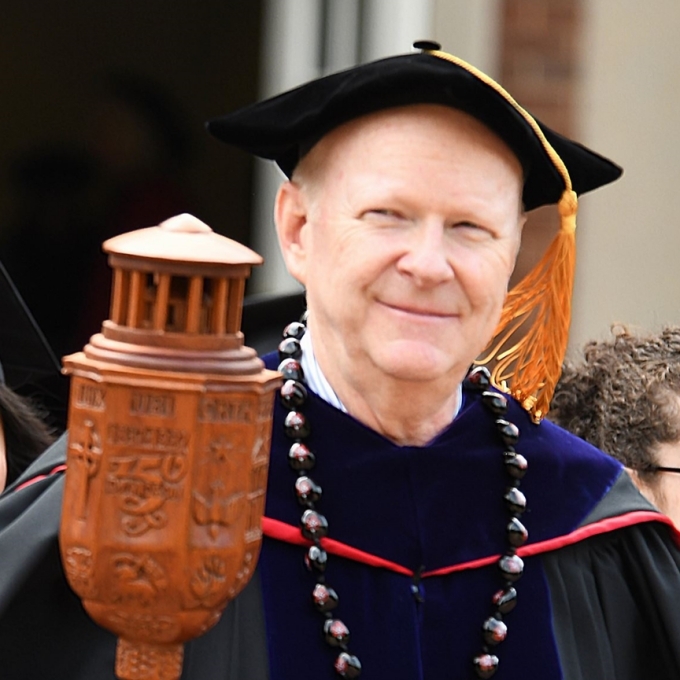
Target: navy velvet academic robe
<point>597,601</point>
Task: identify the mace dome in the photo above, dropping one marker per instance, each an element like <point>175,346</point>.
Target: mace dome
<point>182,238</point>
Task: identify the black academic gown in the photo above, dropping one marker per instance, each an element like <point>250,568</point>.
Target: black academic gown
<point>414,537</point>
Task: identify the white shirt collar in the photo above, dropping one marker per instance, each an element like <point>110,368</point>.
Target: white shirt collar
<point>316,380</point>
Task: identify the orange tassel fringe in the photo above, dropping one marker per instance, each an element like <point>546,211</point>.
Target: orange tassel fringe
<point>529,368</point>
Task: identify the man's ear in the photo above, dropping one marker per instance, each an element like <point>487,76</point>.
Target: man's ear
<point>290,216</point>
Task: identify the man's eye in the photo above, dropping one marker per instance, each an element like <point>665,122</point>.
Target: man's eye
<point>470,229</point>
<point>384,212</point>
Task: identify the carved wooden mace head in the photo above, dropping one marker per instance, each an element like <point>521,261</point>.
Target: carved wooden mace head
<point>168,448</point>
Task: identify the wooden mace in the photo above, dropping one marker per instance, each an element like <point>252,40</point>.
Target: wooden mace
<point>168,447</point>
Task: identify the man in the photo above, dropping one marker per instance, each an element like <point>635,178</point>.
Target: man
<point>624,397</point>
<point>397,543</point>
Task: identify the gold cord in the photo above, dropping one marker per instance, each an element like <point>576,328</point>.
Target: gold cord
<point>526,353</point>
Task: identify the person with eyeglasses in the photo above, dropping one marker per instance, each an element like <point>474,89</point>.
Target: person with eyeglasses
<point>624,397</point>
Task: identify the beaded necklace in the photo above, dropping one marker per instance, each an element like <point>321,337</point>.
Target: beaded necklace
<point>314,526</point>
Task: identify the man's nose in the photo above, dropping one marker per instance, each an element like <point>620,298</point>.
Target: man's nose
<point>426,257</point>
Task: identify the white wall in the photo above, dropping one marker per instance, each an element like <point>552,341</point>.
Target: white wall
<point>470,30</point>
<point>629,233</point>
<point>290,48</point>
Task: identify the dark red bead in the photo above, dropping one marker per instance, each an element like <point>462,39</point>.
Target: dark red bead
<point>291,370</point>
<point>300,457</point>
<point>515,500</point>
<point>316,559</point>
<point>294,330</point>
<point>494,630</point>
<point>325,598</point>
<point>296,426</point>
<point>495,402</point>
<point>293,394</point>
<point>517,533</point>
<point>336,632</point>
<point>313,524</point>
<point>478,379</point>
<point>307,491</point>
<point>516,464</point>
<point>505,600</point>
<point>509,432</point>
<point>485,665</point>
<point>347,665</point>
<point>289,348</point>
<point>512,566</point>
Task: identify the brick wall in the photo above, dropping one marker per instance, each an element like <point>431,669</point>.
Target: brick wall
<point>540,68</point>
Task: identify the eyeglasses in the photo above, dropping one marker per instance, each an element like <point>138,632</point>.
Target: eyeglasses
<point>663,468</point>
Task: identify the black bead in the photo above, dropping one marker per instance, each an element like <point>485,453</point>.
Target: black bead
<point>325,598</point>
<point>478,379</point>
<point>347,665</point>
<point>516,464</point>
<point>515,500</point>
<point>509,432</point>
<point>294,330</point>
<point>512,566</point>
<point>296,426</point>
<point>336,632</point>
<point>291,370</point>
<point>313,524</point>
<point>316,559</point>
<point>485,665</point>
<point>517,533</point>
<point>307,491</point>
<point>495,402</point>
<point>505,600</point>
<point>300,457</point>
<point>494,630</point>
<point>293,394</point>
<point>289,348</point>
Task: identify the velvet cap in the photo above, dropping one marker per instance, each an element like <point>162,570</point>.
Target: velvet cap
<point>284,127</point>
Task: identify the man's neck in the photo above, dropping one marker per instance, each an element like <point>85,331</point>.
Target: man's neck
<point>413,420</point>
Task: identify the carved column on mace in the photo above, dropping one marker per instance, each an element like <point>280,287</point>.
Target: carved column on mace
<point>168,448</point>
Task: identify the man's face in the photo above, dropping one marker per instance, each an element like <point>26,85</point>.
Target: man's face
<point>403,226</point>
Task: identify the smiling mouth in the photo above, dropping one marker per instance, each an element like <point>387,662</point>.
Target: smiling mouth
<point>417,311</point>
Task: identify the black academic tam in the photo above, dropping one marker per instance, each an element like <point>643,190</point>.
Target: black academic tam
<point>283,128</point>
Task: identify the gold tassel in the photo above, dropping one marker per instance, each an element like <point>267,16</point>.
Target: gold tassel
<point>529,368</point>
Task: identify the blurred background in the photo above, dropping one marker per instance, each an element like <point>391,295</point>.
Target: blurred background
<point>104,105</point>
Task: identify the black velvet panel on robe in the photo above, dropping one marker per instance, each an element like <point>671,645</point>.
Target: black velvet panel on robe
<point>615,610</point>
